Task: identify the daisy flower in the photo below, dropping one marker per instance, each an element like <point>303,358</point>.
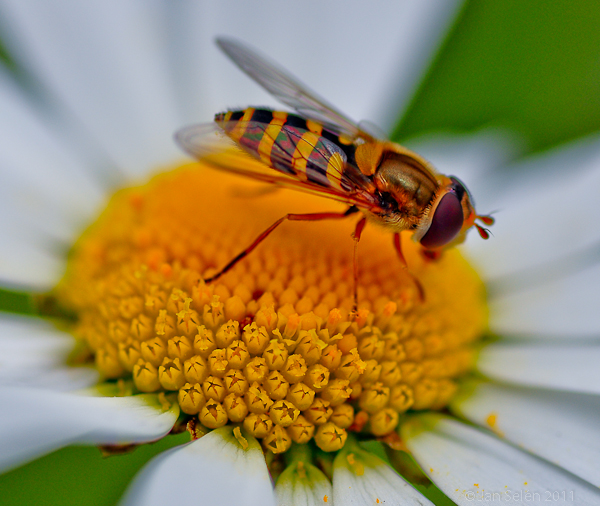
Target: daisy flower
<point>288,398</point>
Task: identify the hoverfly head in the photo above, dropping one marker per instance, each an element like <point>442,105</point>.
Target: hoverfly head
<point>451,215</point>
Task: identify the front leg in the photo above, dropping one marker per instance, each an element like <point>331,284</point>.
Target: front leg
<point>398,247</point>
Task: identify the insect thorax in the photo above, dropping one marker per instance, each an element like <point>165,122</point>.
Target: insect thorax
<point>410,185</point>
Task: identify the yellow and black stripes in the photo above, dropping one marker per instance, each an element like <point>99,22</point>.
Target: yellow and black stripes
<point>291,144</point>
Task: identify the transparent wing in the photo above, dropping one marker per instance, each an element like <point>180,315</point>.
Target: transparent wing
<point>372,129</point>
<point>209,144</point>
<point>288,89</point>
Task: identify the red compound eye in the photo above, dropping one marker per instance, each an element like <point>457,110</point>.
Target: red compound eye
<point>446,222</point>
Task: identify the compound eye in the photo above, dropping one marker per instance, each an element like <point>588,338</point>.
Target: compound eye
<point>446,222</point>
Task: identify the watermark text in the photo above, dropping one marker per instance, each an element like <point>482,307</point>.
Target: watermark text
<point>521,496</point>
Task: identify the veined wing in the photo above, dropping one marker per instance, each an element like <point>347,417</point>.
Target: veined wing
<point>289,90</point>
<point>209,144</point>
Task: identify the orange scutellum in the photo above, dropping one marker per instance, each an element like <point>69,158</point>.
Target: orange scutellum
<point>273,344</point>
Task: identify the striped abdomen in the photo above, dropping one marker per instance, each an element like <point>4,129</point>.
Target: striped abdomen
<point>290,144</point>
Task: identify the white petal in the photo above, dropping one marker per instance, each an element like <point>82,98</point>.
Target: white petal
<point>33,353</point>
<point>533,225</point>
<point>564,307</point>
<point>572,367</point>
<point>60,379</point>
<point>306,486</point>
<point>384,70</point>
<point>32,342</point>
<point>106,64</point>
<point>23,265</point>
<point>44,186</point>
<point>360,478</point>
<point>214,469</point>
<point>561,427</point>
<point>45,195</point>
<point>34,422</point>
<point>472,467</point>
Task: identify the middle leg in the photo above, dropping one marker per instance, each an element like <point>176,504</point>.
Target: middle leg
<point>263,235</point>
<point>360,225</point>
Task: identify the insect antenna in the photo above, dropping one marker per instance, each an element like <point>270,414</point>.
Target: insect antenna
<point>483,232</point>
<point>486,219</point>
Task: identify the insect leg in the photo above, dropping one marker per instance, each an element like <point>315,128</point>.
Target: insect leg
<point>265,234</point>
<point>356,236</point>
<point>398,246</point>
<point>431,255</point>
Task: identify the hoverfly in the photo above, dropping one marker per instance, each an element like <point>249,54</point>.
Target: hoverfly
<point>321,151</point>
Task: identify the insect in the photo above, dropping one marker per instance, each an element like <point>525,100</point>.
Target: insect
<point>321,151</point>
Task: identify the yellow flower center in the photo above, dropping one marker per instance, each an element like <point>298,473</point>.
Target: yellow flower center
<point>273,344</point>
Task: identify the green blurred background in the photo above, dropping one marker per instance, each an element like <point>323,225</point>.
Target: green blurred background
<point>530,66</point>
